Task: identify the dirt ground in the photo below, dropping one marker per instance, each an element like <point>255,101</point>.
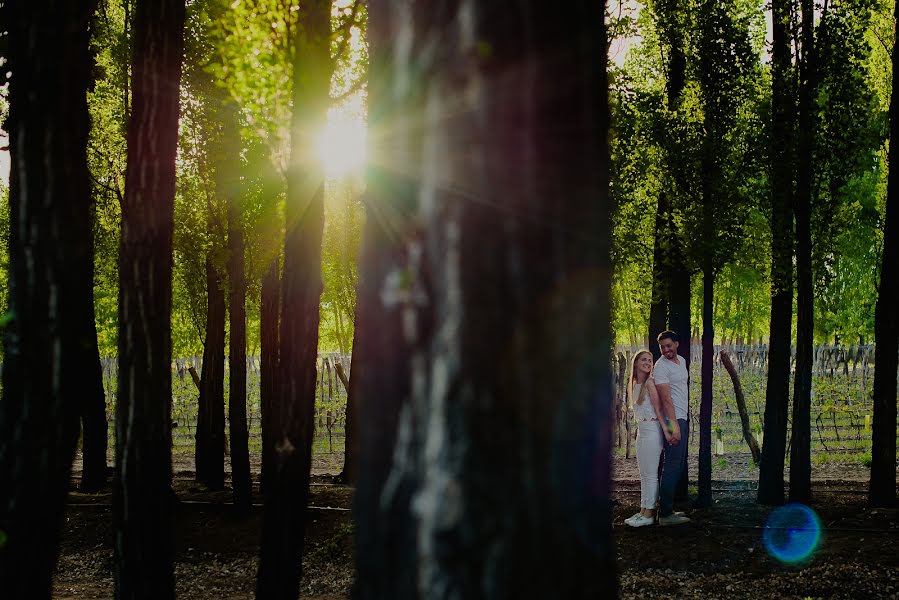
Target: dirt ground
<point>720,554</point>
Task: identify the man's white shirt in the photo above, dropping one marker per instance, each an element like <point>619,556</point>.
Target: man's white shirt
<point>676,377</point>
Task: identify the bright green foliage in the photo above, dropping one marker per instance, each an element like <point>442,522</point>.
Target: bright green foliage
<point>344,218</point>
<point>242,50</point>
<point>850,170</point>
<point>725,113</point>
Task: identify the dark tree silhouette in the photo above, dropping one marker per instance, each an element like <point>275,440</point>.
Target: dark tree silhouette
<point>47,336</point>
<point>210,436</point>
<point>287,492</point>
<point>229,189</point>
<point>882,489</point>
<point>801,442</point>
<point>499,465</point>
<point>777,393</point>
<point>142,502</point>
<point>672,279</point>
<point>268,365</point>
<point>94,430</point>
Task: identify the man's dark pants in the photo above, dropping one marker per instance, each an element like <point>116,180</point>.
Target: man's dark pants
<point>672,466</point>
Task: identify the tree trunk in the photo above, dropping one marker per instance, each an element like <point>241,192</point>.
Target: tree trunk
<point>210,448</point>
<point>94,434</point>
<point>268,391</point>
<point>777,393</point>
<point>142,492</point>
<point>681,296</point>
<point>741,405</point>
<point>800,445</point>
<point>882,489</point>
<point>704,492</point>
<point>241,480</point>
<point>661,276</point>
<point>228,189</point>
<point>50,243</point>
<point>283,529</point>
<point>508,475</point>
<point>348,473</point>
<point>678,278</point>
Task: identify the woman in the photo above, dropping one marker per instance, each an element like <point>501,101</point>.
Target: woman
<point>644,397</point>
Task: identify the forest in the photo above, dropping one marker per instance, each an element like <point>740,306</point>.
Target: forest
<point>347,298</point>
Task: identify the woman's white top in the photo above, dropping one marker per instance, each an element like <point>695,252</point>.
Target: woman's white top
<point>644,411</point>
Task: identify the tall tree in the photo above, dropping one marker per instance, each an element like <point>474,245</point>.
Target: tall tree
<point>671,287</point>
<point>882,488</point>
<point>675,276</point>
<point>217,154</point>
<point>210,436</point>
<point>268,328</point>
<point>47,335</point>
<point>94,429</point>
<point>726,64</point>
<point>498,85</point>
<point>800,445</point>
<point>241,481</point>
<point>777,392</point>
<point>283,529</point>
<point>142,505</point>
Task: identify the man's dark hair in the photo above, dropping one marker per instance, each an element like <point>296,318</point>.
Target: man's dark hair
<point>670,335</point>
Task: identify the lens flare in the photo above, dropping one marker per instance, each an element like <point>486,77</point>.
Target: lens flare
<point>792,533</point>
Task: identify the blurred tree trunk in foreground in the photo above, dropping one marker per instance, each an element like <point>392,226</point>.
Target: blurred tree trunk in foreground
<point>47,334</point>
<point>882,489</point>
<point>492,266</point>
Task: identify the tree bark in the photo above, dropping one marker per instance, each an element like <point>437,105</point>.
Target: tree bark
<point>777,393</point>
<point>348,473</point>
<point>241,481</point>
<point>94,430</point>
<point>142,492</point>
<point>507,474</point>
<point>882,488</point>
<point>268,391</point>
<point>283,529</point>
<point>681,295</point>
<point>50,243</point>
<point>704,491</point>
<point>800,445</point>
<point>210,437</point>
<point>229,190</point>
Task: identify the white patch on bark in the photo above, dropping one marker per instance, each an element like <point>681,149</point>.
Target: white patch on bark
<point>285,447</point>
<point>439,503</point>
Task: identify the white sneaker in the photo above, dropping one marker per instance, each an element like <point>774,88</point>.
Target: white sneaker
<point>640,521</point>
<point>632,517</point>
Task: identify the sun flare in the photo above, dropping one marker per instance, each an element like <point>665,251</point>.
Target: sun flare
<point>341,146</point>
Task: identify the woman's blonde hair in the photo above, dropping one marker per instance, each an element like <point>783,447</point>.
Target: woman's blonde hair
<point>633,380</point>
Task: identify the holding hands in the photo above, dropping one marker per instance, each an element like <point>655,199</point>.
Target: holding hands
<point>671,431</point>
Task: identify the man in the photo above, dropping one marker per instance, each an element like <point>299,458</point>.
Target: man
<point>671,377</point>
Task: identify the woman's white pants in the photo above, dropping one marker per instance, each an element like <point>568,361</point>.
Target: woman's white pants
<point>649,450</point>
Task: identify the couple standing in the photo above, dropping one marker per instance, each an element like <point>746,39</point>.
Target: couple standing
<point>658,395</point>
